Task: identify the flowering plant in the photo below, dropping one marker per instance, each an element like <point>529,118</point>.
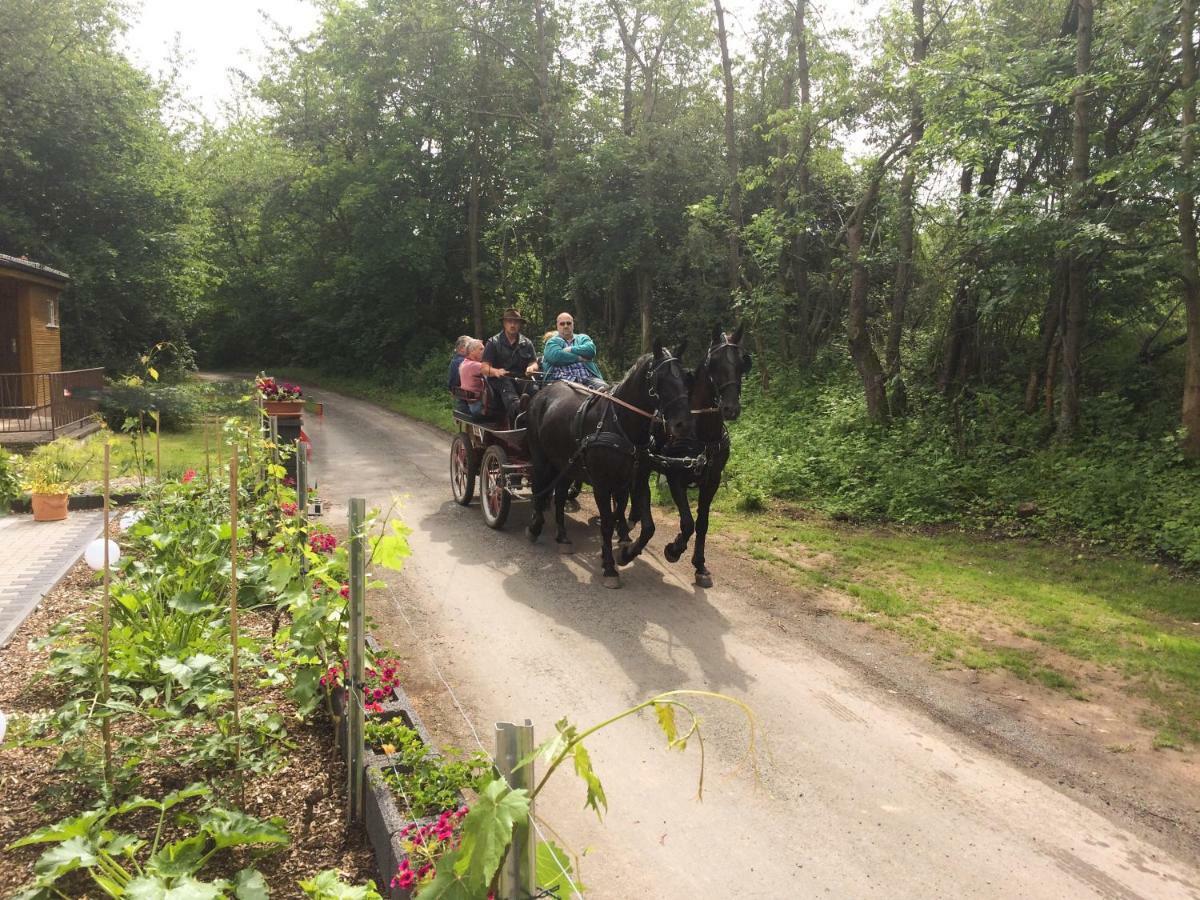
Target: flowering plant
<point>270,389</point>
<point>424,845</point>
<point>378,681</point>
<point>323,542</point>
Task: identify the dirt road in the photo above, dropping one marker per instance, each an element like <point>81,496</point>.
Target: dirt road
<point>862,793</point>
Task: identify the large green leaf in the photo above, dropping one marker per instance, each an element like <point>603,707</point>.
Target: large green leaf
<point>178,858</point>
<point>71,854</point>
<point>328,885</point>
<point>75,826</point>
<point>231,828</point>
<point>488,830</point>
<point>249,884</point>
<point>553,870</point>
<point>595,790</point>
<point>390,550</point>
<point>149,887</point>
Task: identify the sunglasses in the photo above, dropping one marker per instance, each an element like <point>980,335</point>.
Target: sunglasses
<point>566,323</point>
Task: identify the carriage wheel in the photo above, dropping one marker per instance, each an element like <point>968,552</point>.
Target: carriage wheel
<point>494,499</point>
<point>464,468</point>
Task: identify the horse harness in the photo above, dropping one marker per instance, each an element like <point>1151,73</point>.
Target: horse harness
<point>684,458</point>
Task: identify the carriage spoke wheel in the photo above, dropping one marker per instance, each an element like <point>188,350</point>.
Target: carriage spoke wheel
<point>464,468</point>
<point>494,498</point>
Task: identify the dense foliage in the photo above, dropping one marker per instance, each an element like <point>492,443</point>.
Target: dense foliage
<point>971,224</point>
<point>93,182</point>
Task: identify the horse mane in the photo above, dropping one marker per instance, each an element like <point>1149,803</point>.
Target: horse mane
<point>640,361</point>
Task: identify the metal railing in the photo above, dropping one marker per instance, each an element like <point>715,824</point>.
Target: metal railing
<point>48,401</point>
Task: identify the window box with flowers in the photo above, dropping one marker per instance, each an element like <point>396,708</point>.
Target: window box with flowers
<point>280,398</point>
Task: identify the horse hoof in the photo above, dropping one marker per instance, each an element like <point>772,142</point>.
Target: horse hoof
<point>612,581</point>
<point>532,535</point>
<point>625,557</point>
<point>566,547</point>
<point>703,579</point>
<point>671,553</point>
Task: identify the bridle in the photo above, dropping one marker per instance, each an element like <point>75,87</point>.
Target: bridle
<point>718,388</point>
<point>652,391</point>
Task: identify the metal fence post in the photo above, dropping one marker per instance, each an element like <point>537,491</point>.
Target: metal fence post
<point>513,743</point>
<point>302,500</point>
<point>356,648</point>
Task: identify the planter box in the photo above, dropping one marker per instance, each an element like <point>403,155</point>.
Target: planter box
<point>284,409</point>
<point>383,817</point>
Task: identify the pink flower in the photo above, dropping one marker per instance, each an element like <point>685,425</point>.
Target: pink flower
<point>289,481</point>
<point>289,509</point>
<point>188,476</point>
<point>345,592</point>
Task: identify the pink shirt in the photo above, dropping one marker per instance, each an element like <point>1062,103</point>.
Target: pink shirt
<point>470,376</point>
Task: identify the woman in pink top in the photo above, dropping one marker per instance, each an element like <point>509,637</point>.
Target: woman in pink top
<point>470,375</point>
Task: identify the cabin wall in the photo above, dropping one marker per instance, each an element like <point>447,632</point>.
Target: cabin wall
<point>44,342</point>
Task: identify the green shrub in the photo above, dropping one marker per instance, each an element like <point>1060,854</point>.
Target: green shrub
<point>978,463</point>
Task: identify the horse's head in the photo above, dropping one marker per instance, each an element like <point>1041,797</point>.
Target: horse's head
<point>669,385</point>
<point>725,365</point>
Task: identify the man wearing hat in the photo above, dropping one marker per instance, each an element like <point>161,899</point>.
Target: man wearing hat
<point>508,355</point>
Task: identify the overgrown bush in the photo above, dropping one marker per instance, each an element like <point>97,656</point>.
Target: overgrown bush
<point>976,462</point>
<point>9,486</point>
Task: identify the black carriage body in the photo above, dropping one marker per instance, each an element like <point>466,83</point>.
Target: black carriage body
<point>495,455</point>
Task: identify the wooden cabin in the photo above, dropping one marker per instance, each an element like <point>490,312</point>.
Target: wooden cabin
<point>38,398</point>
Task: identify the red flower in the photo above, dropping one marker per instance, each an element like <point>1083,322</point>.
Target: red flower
<point>188,476</point>
<point>288,509</point>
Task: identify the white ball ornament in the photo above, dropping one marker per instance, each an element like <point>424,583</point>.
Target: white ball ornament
<point>94,554</point>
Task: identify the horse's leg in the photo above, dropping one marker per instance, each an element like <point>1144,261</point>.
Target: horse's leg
<point>620,522</point>
<point>708,490</point>
<point>541,477</point>
<point>679,493</point>
<point>604,501</point>
<point>644,513</point>
<point>560,516</point>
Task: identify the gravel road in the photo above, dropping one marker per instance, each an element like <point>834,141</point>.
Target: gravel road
<point>861,791</point>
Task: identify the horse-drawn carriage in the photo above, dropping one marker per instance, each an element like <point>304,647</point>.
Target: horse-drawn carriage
<point>489,451</point>
<point>606,439</point>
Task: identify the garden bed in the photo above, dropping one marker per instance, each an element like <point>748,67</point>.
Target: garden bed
<point>308,792</point>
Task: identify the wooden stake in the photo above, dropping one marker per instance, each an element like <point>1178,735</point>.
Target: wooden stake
<point>233,623</point>
<point>207,467</point>
<point>105,724</point>
<point>158,447</point>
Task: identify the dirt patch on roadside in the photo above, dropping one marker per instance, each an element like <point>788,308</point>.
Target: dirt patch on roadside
<point>1099,750</point>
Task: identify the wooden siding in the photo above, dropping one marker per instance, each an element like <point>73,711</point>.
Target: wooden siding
<point>45,346</point>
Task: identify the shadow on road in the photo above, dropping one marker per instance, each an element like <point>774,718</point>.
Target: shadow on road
<point>645,626</point>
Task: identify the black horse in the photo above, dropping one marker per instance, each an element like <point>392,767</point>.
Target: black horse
<point>576,434</point>
<point>716,398</point>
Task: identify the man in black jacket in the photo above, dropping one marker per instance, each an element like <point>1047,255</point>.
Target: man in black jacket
<point>507,356</point>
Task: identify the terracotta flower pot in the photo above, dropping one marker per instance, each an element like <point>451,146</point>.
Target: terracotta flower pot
<point>49,507</point>
<point>283,408</point>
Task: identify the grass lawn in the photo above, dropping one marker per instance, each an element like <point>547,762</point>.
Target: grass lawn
<point>966,599</point>
<point>181,450</point>
<point>1026,607</point>
<point>433,408</point>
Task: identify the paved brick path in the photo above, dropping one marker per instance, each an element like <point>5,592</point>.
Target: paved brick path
<point>34,556</point>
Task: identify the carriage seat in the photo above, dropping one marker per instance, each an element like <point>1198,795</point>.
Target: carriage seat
<point>462,397</point>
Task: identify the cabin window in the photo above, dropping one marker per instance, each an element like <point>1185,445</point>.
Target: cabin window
<point>52,313</point>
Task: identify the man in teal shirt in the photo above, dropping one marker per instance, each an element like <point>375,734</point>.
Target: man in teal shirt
<point>568,356</point>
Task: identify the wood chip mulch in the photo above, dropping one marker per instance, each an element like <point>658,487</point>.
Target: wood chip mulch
<point>308,791</point>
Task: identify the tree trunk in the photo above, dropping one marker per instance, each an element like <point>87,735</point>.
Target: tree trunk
<point>1076,313</point>
<point>957,333</point>
<point>473,246</point>
<point>1187,233</point>
<point>734,256</point>
<point>1049,335</point>
<point>862,351</point>
<point>645,290</point>
<point>904,261</point>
